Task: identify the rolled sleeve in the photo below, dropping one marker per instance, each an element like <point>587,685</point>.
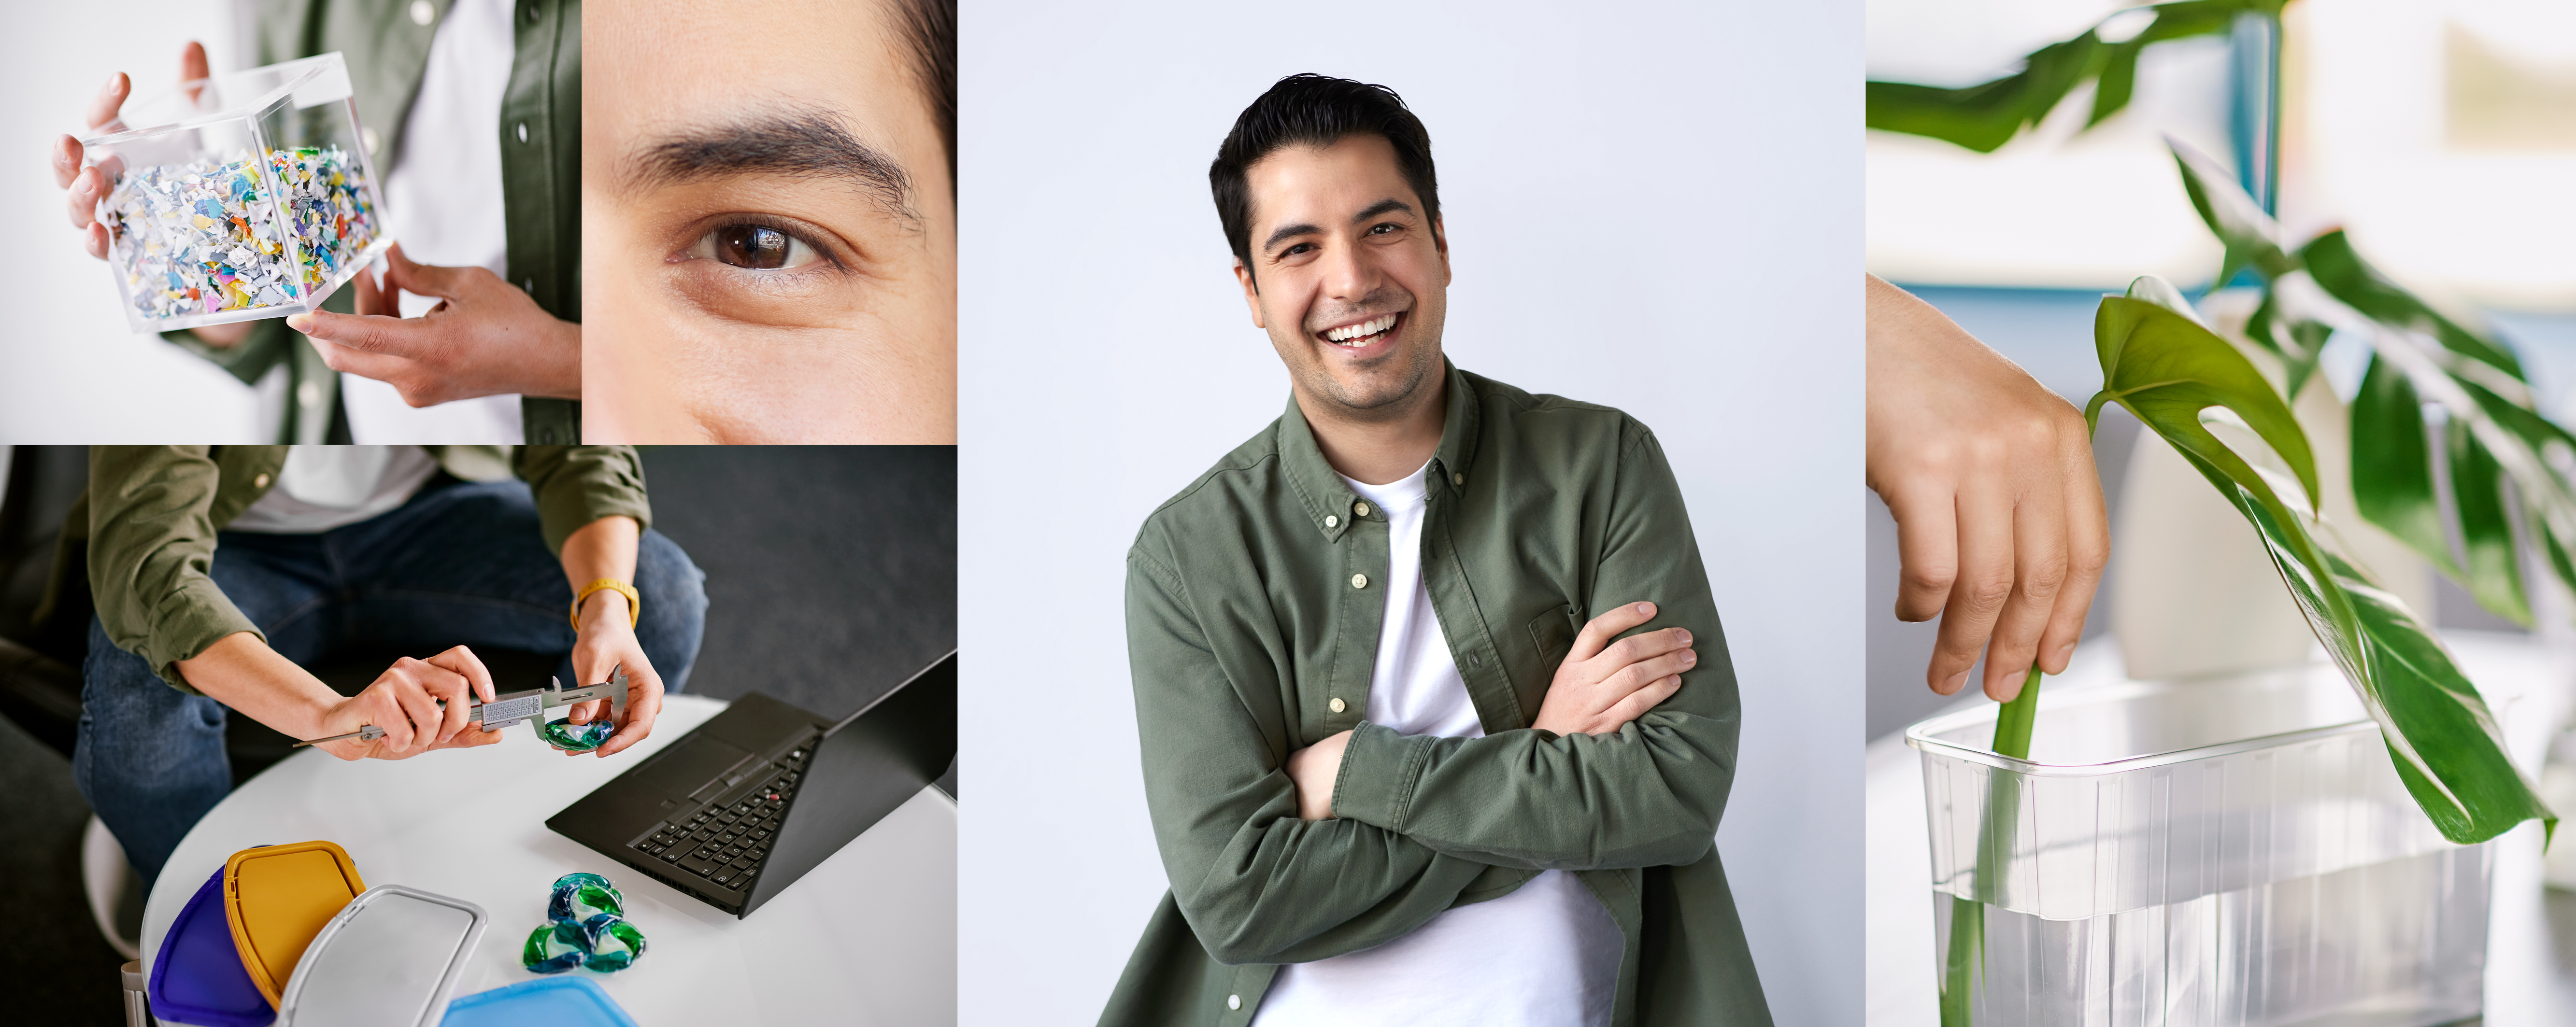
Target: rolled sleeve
<point>575,485</point>
<point>151,548</point>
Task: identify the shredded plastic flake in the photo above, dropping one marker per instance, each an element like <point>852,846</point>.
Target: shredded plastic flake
<point>200,238</point>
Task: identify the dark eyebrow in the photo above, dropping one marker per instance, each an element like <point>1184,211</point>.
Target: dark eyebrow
<point>1384,206</point>
<point>1297,230</point>
<point>1285,232</point>
<point>796,142</point>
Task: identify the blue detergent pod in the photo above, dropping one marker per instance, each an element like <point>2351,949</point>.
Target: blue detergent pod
<point>544,1002</point>
<point>197,977</point>
<point>579,896</point>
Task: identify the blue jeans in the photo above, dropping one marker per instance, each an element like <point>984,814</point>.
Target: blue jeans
<point>458,564</point>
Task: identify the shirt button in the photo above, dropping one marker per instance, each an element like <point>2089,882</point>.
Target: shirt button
<point>1457,479</point>
<point>1331,521</point>
<point>1335,705</point>
<point>1359,581</point>
<point>523,131</point>
<point>259,481</point>
<point>1234,1002</point>
<point>423,12</point>
<point>1360,509</point>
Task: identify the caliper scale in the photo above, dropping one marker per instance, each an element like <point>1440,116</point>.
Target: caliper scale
<point>509,708</point>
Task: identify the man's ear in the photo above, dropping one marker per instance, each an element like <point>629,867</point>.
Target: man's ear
<point>1251,293</point>
<point>1440,241</point>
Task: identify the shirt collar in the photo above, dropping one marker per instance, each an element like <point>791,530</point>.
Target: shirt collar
<point>1329,499</point>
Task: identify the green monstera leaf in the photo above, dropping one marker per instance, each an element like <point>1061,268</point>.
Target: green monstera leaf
<point>1985,116</point>
<point>2161,364</point>
<point>2490,431</point>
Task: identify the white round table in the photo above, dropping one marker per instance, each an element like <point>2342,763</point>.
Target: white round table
<point>868,937</point>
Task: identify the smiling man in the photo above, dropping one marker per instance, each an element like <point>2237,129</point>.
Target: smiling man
<point>1436,717</point>
<point>770,223</point>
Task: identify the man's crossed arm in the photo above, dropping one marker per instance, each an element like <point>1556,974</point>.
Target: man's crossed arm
<point>1420,817</point>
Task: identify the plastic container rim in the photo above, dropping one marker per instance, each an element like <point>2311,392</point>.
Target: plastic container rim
<point>203,120</point>
<point>1919,736</point>
<point>436,1010</point>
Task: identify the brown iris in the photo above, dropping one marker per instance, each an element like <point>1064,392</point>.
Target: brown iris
<point>751,246</point>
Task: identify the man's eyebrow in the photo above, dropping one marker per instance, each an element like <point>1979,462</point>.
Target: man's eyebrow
<point>794,142</point>
<point>1286,232</point>
<point>1385,206</point>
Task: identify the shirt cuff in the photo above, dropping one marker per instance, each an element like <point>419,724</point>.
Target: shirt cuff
<point>1379,770</point>
<point>190,620</point>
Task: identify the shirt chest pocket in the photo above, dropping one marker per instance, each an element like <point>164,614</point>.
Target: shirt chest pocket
<point>1553,633</point>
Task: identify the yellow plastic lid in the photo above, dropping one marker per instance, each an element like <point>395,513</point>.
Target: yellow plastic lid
<point>277,897</point>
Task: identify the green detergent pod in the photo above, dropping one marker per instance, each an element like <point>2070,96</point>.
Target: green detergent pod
<point>564,734</point>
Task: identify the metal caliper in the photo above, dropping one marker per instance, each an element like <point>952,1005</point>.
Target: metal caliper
<point>509,708</point>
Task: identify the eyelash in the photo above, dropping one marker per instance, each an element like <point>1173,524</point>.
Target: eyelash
<point>1372,230</point>
<point>704,246</point>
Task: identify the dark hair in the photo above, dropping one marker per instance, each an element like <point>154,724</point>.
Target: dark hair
<point>1314,110</point>
<point>930,26</point>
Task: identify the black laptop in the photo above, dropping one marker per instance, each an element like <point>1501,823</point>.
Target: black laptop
<point>738,809</point>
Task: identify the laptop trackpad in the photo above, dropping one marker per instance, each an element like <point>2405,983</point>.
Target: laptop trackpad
<point>695,761</point>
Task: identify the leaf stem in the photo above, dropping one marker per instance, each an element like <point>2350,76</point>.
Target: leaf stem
<point>1994,845</point>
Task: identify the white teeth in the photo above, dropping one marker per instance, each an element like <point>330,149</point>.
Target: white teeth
<point>1364,328</point>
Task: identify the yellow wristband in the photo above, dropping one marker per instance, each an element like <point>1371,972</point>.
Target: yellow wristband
<point>634,605</point>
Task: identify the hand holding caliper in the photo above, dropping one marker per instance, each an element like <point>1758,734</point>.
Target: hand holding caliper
<point>510,708</point>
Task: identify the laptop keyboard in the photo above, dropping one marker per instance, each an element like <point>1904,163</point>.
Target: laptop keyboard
<point>725,844</point>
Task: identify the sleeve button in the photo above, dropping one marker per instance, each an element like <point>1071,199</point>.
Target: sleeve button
<point>1336,705</point>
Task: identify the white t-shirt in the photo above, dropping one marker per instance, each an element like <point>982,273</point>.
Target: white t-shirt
<point>1546,955</point>
<point>443,203</point>
<point>325,487</point>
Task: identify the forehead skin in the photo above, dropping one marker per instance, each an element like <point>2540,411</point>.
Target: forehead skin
<point>863,356</point>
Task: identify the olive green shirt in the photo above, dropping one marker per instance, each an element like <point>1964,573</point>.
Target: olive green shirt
<point>386,52</point>
<point>1253,609</point>
<point>149,518</point>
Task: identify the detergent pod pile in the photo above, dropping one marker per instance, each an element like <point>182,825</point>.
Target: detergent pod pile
<point>207,236</point>
<point>586,927</point>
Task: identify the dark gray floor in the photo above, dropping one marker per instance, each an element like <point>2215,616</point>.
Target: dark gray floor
<point>53,965</point>
<point>831,576</point>
<point>831,571</point>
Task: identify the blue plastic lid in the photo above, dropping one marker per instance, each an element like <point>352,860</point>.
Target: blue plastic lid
<point>544,1002</point>
<point>198,977</point>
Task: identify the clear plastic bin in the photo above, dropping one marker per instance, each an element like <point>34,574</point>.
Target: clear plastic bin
<point>245,195</point>
<point>2234,852</point>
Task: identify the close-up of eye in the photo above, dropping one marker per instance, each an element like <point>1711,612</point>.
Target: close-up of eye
<point>755,247</point>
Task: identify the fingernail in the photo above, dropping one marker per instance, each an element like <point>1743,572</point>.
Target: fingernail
<point>1957,681</point>
<point>1689,658</point>
<point>1682,636</point>
<point>2064,653</point>
<point>1646,608</point>
<point>300,322</point>
<point>110,87</point>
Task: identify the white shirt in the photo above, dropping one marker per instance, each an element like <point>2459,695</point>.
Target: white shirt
<point>443,203</point>
<point>325,487</point>
<point>1547,954</point>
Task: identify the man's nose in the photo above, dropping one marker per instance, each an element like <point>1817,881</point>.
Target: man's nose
<point>1350,272</point>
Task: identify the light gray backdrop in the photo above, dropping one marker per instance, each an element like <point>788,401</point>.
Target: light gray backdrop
<point>1655,207</point>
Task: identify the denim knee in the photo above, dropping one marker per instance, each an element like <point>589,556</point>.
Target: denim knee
<point>150,759</point>
<point>674,615</point>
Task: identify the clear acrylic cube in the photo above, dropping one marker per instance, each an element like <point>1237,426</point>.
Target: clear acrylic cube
<point>240,196</point>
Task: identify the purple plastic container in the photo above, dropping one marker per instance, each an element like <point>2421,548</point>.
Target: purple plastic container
<point>198,977</point>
